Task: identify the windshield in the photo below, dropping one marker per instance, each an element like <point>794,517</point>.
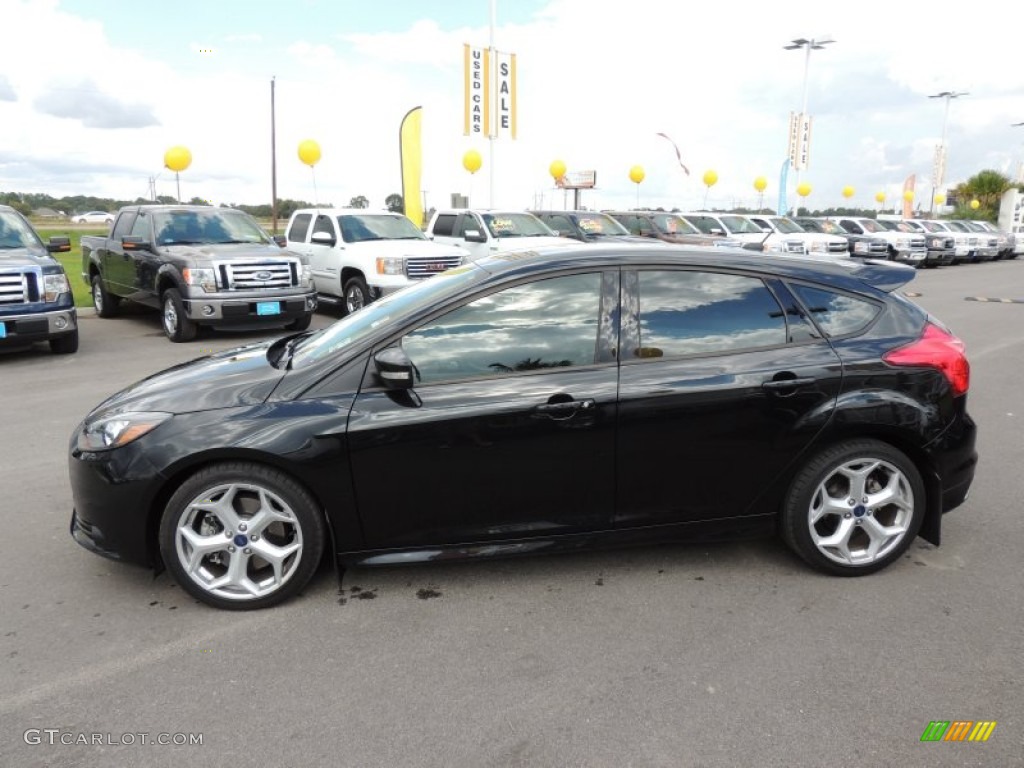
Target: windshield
<point>516,225</point>
<point>358,228</point>
<point>207,226</point>
<point>600,225</point>
<point>670,224</point>
<point>16,233</point>
<point>810,225</point>
<point>933,226</point>
<point>786,226</point>
<point>956,226</point>
<point>351,330</point>
<point>870,225</point>
<point>738,225</point>
<point>975,226</point>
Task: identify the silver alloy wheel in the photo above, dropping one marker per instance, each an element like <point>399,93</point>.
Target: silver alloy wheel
<point>238,541</point>
<point>170,317</point>
<point>354,299</point>
<point>97,297</point>
<point>861,511</point>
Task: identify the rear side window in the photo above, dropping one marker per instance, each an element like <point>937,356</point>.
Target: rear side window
<point>443,224</point>
<point>837,314</point>
<point>300,225</point>
<point>705,313</point>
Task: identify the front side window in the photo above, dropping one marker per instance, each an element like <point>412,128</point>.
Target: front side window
<point>323,224</point>
<point>140,227</point>
<point>705,313</point>
<point>836,313</point>
<point>546,324</point>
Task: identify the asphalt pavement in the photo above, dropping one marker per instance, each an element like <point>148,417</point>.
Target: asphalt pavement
<point>734,654</point>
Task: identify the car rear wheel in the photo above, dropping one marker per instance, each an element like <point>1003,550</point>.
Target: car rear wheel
<point>66,344</point>
<point>104,303</point>
<point>854,508</point>
<point>177,326</point>
<point>355,295</point>
<point>241,536</point>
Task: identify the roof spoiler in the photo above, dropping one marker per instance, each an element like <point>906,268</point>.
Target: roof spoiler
<point>884,275</point>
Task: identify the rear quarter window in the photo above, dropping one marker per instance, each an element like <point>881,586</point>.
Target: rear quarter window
<point>444,224</point>
<point>300,225</point>
<point>837,314</point>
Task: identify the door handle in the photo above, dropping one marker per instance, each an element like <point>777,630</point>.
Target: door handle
<point>796,381</point>
<point>564,410</point>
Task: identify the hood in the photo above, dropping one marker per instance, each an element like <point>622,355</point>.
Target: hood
<point>25,257</point>
<point>619,239</point>
<point>821,237</point>
<point>241,376</point>
<point>398,248</point>
<point>530,242</point>
<point>209,252</point>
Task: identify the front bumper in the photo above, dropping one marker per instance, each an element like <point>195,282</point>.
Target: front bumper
<point>246,309</point>
<point>942,256</point>
<point>29,327</point>
<point>911,256</point>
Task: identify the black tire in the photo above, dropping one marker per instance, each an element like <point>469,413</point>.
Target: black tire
<point>855,524</point>
<point>66,344</point>
<point>241,489</point>
<point>355,295</point>
<point>103,302</point>
<point>176,324</point>
<point>300,323</point>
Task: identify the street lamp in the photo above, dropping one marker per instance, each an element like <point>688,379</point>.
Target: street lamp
<point>939,171</point>
<point>814,44</point>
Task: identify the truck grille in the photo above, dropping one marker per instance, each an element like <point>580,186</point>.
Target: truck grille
<point>14,288</point>
<point>878,246</point>
<point>838,247</point>
<point>417,267</point>
<point>795,246</point>
<point>918,243</point>
<point>253,275</point>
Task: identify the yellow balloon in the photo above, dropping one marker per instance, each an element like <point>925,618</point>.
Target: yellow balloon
<point>760,183</point>
<point>975,205</point>
<point>908,195</point>
<point>848,191</point>
<point>557,169</point>
<point>636,174</point>
<point>940,199</point>
<point>710,178</point>
<point>177,159</point>
<point>803,189</point>
<point>472,161</point>
<point>879,197</point>
<point>309,152</point>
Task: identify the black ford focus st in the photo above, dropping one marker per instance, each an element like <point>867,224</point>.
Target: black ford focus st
<point>543,401</point>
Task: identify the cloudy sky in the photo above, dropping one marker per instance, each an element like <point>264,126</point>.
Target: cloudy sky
<point>93,92</point>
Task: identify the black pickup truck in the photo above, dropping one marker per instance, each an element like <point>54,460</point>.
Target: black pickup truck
<point>35,295</point>
<point>199,265</point>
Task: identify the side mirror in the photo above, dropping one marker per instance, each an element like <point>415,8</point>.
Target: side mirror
<point>135,243</point>
<point>281,240</point>
<point>394,368</point>
<point>475,236</point>
<point>322,238</point>
<point>59,245</point>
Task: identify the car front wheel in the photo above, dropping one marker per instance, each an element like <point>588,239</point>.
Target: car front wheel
<point>355,295</point>
<point>854,508</point>
<point>241,536</point>
<point>177,326</point>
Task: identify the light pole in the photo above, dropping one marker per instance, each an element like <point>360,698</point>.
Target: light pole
<point>1020,169</point>
<point>939,171</point>
<point>814,44</point>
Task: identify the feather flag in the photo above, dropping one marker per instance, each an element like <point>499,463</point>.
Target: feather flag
<point>411,154</point>
<point>679,157</point>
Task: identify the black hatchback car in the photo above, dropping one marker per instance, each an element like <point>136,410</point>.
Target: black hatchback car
<point>541,401</point>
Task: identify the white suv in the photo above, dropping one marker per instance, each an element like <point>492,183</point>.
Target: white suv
<point>481,232</point>
<point>357,256</point>
<point>814,242</point>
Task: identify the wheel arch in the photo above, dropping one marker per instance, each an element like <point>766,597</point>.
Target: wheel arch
<point>349,272</point>
<point>179,472</point>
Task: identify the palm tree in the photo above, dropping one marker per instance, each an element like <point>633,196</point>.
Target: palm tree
<point>987,187</point>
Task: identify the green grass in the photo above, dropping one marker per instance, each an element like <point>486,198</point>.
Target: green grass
<point>72,260</point>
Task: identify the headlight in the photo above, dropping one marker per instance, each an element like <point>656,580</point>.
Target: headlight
<point>305,274</point>
<point>204,278</point>
<point>389,265</point>
<point>115,431</point>
<point>935,243</point>
<point>775,247</point>
<point>818,245</point>
<point>862,246</point>
<point>54,286</point>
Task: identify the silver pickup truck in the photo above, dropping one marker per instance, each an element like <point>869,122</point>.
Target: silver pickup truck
<point>200,266</point>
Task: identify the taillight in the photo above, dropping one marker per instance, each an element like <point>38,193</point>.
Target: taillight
<point>936,349</point>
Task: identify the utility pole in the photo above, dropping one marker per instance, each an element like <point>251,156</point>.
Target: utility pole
<point>273,162</point>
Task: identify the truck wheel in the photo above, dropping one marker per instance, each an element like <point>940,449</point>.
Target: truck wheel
<point>355,296</point>
<point>177,326</point>
<point>104,303</point>
<point>301,323</point>
<point>65,345</point>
